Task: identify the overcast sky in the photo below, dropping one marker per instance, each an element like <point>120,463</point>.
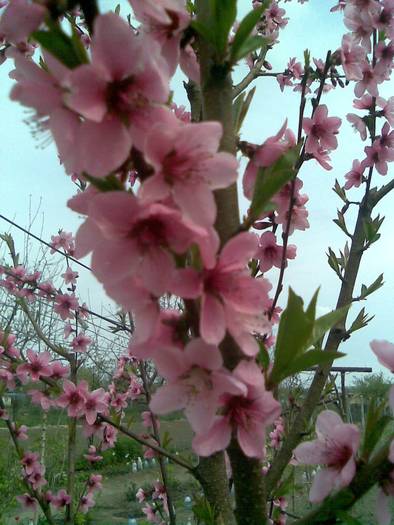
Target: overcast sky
<point>31,177</point>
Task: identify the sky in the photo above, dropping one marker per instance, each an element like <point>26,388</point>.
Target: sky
<point>32,183</point>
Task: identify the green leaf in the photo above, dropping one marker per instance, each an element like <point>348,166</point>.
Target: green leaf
<point>109,183</point>
<point>374,427</point>
<point>295,329</point>
<point>244,31</point>
<point>324,323</point>
<point>251,44</point>
<point>340,221</point>
<point>241,107</point>
<point>117,10</point>
<point>347,519</point>
<point>59,45</point>
<point>308,360</point>
<point>270,180</point>
<point>360,321</point>
<point>339,190</point>
<point>225,13</point>
<point>204,31</point>
<point>237,108</point>
<point>263,357</point>
<point>368,290</point>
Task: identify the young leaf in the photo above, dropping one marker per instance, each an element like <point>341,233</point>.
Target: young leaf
<point>244,31</point>
<point>340,191</point>
<point>252,43</point>
<point>241,107</point>
<point>295,329</point>
<point>325,323</point>
<point>59,45</point>
<point>304,362</point>
<point>270,180</point>
<point>360,321</point>
<point>263,357</point>
<point>224,15</point>
<point>204,31</point>
<point>374,428</point>
<point>367,290</point>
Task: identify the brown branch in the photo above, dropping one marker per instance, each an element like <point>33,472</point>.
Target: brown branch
<point>252,75</point>
<point>160,450</point>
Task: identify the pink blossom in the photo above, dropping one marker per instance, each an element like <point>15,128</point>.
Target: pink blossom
<point>229,284</point>
<point>64,304</point>
<point>70,277</point>
<point>20,19</point>
<point>387,109</point>
<point>188,167</point>
<point>265,155</point>
<point>86,503</point>
<point>195,382</point>
<point>41,398</point>
<point>59,371</point>
<point>73,398</point>
<point>140,495</point>
<point>270,254</point>
<point>20,432</point>
<point>365,102</point>
<point>247,415</point>
<point>165,23</point>
<point>353,57</point>
<point>96,402</point>
<point>369,82</point>
<point>355,176</point>
<point>359,20</point>
<point>321,130</point>
<point>80,343</point>
<point>109,437</point>
<point>38,365</point>
<point>150,514</point>
<point>336,447</point>
<point>46,289</point>
<point>36,478</point>
<point>112,94</point>
<point>28,502</point>
<point>358,124</point>
<point>92,455</point>
<point>30,462</point>
<point>61,499</point>
<point>94,482</point>
<point>128,237</point>
<point>65,241</point>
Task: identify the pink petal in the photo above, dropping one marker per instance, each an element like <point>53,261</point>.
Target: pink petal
<point>238,251</point>
<point>196,201</point>
<point>154,189</point>
<point>326,422</point>
<point>322,485</point>
<point>156,271</point>
<point>168,398</point>
<point>221,170</point>
<point>311,453</point>
<point>88,92</point>
<point>186,283</point>
<point>212,321</point>
<point>204,355</point>
<point>382,508</point>
<point>104,146</point>
<point>115,47</point>
<point>384,351</point>
<point>215,439</point>
<point>251,439</point>
<point>64,126</point>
